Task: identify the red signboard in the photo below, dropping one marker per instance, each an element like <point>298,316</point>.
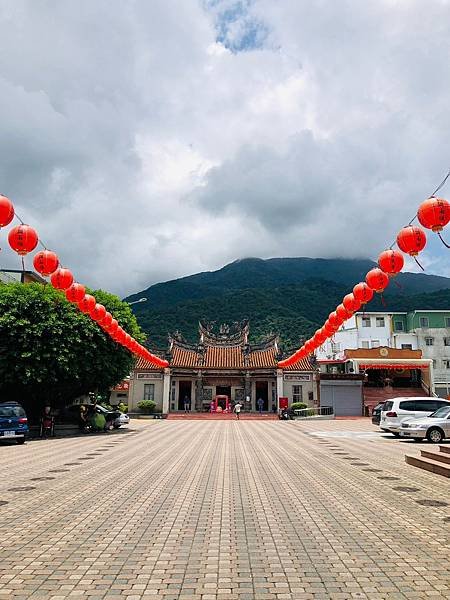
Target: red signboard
<point>283,402</point>
<point>122,386</point>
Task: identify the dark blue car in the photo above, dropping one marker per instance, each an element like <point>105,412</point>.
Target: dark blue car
<point>13,422</point>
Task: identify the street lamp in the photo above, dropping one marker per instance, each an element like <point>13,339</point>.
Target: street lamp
<point>137,301</point>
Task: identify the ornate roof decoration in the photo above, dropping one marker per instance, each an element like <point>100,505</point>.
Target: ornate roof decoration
<point>227,335</point>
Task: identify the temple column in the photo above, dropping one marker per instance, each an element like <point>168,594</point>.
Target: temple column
<point>166,391</point>
<point>199,392</point>
<point>280,390</point>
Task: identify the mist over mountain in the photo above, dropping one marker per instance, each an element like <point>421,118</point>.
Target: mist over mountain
<point>289,296</point>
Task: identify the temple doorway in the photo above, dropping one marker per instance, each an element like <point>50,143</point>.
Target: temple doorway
<point>262,391</point>
<point>184,389</point>
<point>223,390</point>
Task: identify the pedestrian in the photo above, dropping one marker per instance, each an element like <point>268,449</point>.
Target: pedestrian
<point>187,404</point>
<point>260,404</point>
<point>237,409</point>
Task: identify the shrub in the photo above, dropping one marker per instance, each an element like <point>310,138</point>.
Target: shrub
<point>147,406</point>
<point>298,405</point>
<point>123,407</point>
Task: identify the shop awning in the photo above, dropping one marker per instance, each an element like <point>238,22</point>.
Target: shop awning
<point>390,365</point>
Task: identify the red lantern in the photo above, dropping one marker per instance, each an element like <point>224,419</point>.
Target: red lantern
<point>6,211</point>
<point>362,293</point>
<point>87,304</point>
<point>343,313</point>
<point>99,312</point>
<point>113,327</point>
<point>75,293</point>
<point>45,262</point>
<point>391,262</point>
<point>411,240</point>
<point>335,320</point>
<point>351,303</point>
<point>377,280</point>
<point>23,239</point>
<point>434,214</point>
<point>61,279</point>
<point>107,321</point>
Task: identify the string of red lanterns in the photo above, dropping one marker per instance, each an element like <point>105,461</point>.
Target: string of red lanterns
<point>434,214</point>
<point>23,239</point>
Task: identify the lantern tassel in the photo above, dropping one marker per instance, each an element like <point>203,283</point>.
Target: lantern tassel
<point>399,285</point>
<point>383,301</point>
<point>418,263</point>
<point>23,264</point>
<point>442,240</point>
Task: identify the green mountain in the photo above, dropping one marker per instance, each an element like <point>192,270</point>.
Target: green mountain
<point>289,296</point>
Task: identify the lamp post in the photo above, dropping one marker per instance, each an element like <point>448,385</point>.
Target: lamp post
<point>137,301</point>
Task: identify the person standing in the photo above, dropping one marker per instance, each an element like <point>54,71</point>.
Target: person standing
<point>187,404</point>
<point>237,409</point>
<point>260,404</point>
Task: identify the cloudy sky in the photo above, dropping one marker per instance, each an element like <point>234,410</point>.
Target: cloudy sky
<point>151,139</point>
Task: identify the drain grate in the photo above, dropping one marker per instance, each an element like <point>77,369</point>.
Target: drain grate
<point>446,519</point>
<point>86,458</point>
<point>402,488</point>
<point>430,502</point>
<point>22,489</point>
<point>59,470</point>
<point>373,470</point>
<point>360,464</point>
<point>388,478</point>
<point>71,464</point>
<point>41,478</point>
<point>3,502</point>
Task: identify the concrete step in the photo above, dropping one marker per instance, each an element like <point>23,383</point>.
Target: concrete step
<point>437,456</point>
<point>445,449</point>
<point>426,464</point>
<point>221,417</point>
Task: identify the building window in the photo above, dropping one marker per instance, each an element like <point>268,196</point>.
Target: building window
<point>434,363</point>
<point>365,321</point>
<point>446,363</point>
<point>297,393</point>
<point>149,391</point>
<point>375,343</point>
<point>406,346</point>
<point>121,395</point>
<point>429,341</point>
<point>447,321</point>
<point>424,322</point>
<point>365,344</point>
<point>380,321</point>
<point>446,341</point>
<point>335,347</point>
<point>398,325</point>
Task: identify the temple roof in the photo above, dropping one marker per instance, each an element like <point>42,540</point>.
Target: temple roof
<point>227,348</point>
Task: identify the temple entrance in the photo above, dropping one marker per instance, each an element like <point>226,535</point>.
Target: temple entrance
<point>184,389</point>
<point>223,390</point>
<point>262,391</point>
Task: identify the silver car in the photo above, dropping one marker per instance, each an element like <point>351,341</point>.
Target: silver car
<point>435,427</point>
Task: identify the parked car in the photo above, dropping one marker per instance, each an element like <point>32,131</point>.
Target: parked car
<point>13,422</point>
<point>376,413</point>
<point>122,419</point>
<point>397,410</point>
<point>435,427</point>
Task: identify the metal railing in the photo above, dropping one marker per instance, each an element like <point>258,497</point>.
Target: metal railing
<point>314,413</point>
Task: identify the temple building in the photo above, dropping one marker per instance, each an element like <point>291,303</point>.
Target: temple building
<point>222,366</point>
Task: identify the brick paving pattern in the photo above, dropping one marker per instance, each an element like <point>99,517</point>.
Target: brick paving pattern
<point>221,510</point>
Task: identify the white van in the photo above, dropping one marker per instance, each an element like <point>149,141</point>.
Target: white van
<point>397,410</point>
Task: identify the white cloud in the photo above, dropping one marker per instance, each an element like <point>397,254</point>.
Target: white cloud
<point>151,140</point>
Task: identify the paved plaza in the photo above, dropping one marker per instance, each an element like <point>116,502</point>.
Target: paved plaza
<point>223,510</point>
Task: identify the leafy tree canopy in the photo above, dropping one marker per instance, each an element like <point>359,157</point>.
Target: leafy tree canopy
<point>52,352</point>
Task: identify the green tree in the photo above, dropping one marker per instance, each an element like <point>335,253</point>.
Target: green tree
<point>52,352</point>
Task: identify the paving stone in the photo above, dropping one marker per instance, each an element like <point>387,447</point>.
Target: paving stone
<point>223,510</point>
